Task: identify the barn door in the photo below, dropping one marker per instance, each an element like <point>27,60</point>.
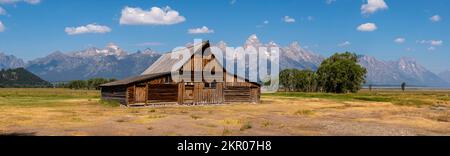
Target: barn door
<point>140,95</point>
<point>189,94</point>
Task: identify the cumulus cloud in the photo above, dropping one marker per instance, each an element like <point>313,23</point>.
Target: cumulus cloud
<point>400,40</point>
<point>154,16</point>
<point>343,44</point>
<point>266,22</point>
<point>233,2</point>
<point>2,11</point>
<point>367,27</point>
<point>288,19</point>
<point>373,6</point>
<point>2,27</point>
<point>435,18</point>
<point>202,30</point>
<point>90,28</point>
<point>16,1</point>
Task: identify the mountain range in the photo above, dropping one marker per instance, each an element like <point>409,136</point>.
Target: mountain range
<point>114,62</point>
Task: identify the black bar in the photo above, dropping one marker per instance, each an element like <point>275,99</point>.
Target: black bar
<point>169,145</point>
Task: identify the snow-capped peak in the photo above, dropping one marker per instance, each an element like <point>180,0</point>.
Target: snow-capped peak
<point>295,46</point>
<point>253,41</point>
<point>110,50</point>
<point>112,46</point>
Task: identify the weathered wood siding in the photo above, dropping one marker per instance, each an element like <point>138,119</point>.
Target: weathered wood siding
<point>242,92</point>
<point>162,93</point>
<point>117,93</point>
<point>130,95</point>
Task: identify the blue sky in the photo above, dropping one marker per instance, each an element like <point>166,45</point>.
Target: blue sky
<point>35,28</point>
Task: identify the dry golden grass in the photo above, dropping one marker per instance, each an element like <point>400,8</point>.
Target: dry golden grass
<point>79,113</point>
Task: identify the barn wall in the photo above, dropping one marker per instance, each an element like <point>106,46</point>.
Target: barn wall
<point>242,92</point>
<point>162,93</point>
<point>205,95</point>
<point>117,93</point>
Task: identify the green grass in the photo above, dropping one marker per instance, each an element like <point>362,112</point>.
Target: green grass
<point>416,98</point>
<point>110,103</point>
<point>48,97</point>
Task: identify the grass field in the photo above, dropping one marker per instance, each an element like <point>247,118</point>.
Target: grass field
<point>78,112</point>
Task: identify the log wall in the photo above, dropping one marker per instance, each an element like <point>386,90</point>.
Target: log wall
<point>117,93</point>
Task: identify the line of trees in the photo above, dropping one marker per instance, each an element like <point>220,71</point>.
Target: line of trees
<point>340,73</point>
<point>91,84</point>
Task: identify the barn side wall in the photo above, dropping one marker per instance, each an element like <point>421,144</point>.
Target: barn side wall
<point>242,92</point>
<point>117,93</point>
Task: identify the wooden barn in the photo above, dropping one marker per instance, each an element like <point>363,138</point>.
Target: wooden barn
<point>156,86</point>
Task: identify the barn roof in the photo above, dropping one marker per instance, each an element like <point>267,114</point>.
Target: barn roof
<point>166,63</point>
<point>133,79</point>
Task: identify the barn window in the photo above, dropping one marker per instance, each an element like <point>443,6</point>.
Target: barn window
<point>211,85</point>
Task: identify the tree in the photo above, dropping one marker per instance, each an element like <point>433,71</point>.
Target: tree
<point>298,80</point>
<point>96,82</point>
<point>403,86</point>
<point>77,84</point>
<point>286,79</point>
<point>341,73</point>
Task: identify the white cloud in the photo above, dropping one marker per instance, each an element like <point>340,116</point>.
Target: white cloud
<point>330,1</point>
<point>435,18</point>
<point>2,27</point>
<point>436,42</point>
<point>373,6</point>
<point>367,27</point>
<point>232,2</point>
<point>266,22</point>
<point>431,48</point>
<point>154,16</point>
<point>202,30</point>
<point>431,42</point>
<point>288,19</point>
<point>343,44</point>
<point>310,18</point>
<point>400,40</point>
<point>2,11</point>
<point>90,28</point>
<point>16,1</point>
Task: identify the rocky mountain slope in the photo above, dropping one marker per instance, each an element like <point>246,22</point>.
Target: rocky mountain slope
<point>10,61</point>
<point>110,62</point>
